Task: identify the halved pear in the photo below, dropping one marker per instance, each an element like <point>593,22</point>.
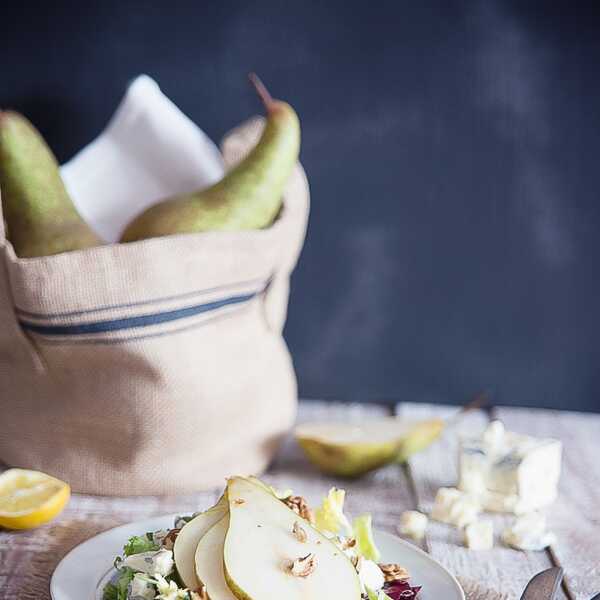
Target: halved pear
<point>351,449</point>
<point>184,550</point>
<point>270,552</point>
<point>209,561</point>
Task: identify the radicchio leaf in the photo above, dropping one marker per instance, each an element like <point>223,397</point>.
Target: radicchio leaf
<point>401,590</point>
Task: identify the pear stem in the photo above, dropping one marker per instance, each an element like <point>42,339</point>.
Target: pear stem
<point>478,401</point>
<point>261,90</point>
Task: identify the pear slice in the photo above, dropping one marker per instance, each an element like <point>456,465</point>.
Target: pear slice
<point>270,552</point>
<point>209,561</point>
<point>184,549</point>
<point>351,449</point>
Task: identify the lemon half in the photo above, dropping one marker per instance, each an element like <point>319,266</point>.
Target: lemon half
<point>30,498</point>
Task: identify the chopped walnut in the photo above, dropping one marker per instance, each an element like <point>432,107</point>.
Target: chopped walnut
<point>348,543</point>
<point>199,594</point>
<point>394,572</point>
<point>239,501</point>
<point>299,533</point>
<point>303,566</point>
<point>169,540</point>
<point>299,505</point>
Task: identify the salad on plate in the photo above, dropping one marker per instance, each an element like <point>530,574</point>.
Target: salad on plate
<point>258,543</point>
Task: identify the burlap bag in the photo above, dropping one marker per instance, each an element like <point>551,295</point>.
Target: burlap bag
<point>153,367</point>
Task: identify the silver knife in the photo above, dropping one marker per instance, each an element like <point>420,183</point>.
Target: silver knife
<point>544,585</point>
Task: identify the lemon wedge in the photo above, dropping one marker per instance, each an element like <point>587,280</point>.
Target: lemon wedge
<point>30,498</point>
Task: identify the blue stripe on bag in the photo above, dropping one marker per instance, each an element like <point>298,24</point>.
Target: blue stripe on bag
<point>78,313</point>
<point>133,322</point>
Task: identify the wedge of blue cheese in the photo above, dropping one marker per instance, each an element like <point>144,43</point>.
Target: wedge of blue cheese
<point>151,563</point>
<point>455,507</point>
<point>529,532</point>
<point>141,588</point>
<point>479,535</point>
<point>413,524</point>
<point>510,472</point>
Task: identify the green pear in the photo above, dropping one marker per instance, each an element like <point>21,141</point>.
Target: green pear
<point>184,549</point>
<point>271,552</point>
<point>350,450</point>
<point>248,197</point>
<point>209,561</point>
<point>40,216</point>
<point>421,435</point>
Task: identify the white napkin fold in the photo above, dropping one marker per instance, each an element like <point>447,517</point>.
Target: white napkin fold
<point>149,150</point>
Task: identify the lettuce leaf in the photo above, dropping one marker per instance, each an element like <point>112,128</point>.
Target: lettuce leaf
<point>138,544</point>
<point>330,515</point>
<point>117,590</point>
<point>373,595</point>
<point>365,544</point>
<point>110,592</point>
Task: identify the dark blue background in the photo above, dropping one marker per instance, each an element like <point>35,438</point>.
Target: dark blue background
<point>453,153</point>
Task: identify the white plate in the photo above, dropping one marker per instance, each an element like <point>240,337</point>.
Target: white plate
<point>82,573</point>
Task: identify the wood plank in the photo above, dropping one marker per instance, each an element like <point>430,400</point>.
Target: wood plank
<point>502,569</point>
<point>384,493</point>
<point>575,517</point>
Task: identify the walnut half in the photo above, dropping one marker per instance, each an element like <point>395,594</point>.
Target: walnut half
<point>199,594</point>
<point>170,538</point>
<point>394,572</point>
<point>303,566</point>
<point>299,505</point>
<point>299,533</point>
<point>348,543</point>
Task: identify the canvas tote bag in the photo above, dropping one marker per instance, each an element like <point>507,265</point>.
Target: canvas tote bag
<point>153,367</point>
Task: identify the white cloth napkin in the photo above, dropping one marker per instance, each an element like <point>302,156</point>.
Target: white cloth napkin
<point>150,150</point>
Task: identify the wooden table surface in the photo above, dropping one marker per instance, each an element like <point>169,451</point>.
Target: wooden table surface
<point>27,559</point>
